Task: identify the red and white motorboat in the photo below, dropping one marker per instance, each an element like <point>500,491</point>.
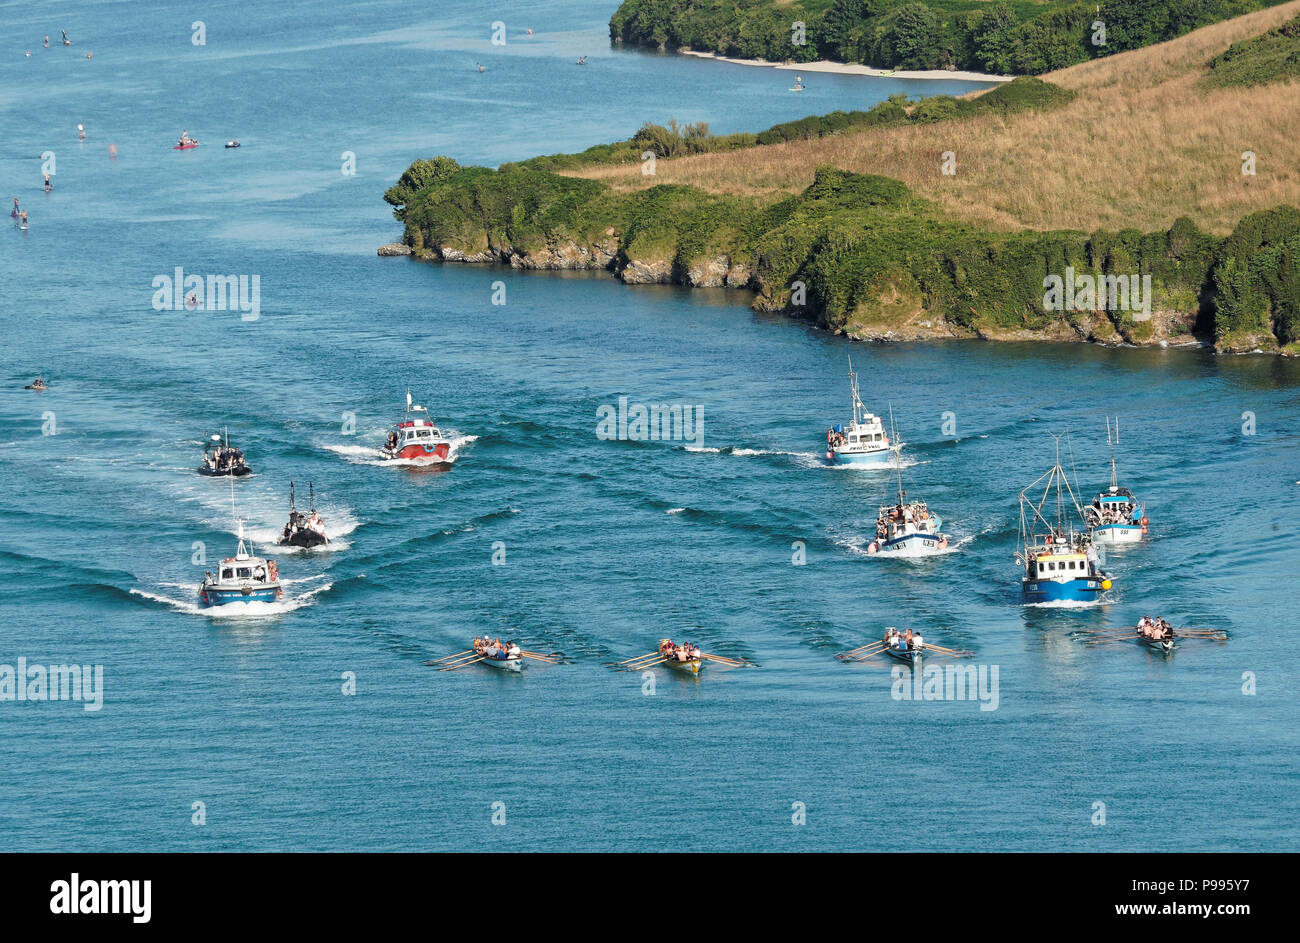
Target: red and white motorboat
<point>416,438</point>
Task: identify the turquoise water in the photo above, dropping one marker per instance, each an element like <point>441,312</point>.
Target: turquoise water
<point>609,546</point>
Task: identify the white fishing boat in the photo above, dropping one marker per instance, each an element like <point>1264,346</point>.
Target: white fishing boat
<point>243,578</point>
<point>864,442</point>
<point>1060,564</point>
<point>1116,517</point>
<point>907,528</point>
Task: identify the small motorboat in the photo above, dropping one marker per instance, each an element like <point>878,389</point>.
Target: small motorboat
<point>187,146</point>
<point>304,528</point>
<point>244,578</point>
<point>864,442</point>
<point>416,438</point>
<point>503,656</point>
<point>220,458</point>
<point>231,144</point>
<point>38,385</point>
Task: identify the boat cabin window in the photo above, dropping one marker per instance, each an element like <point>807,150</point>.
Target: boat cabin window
<point>227,574</point>
<point>245,573</point>
<point>423,433</point>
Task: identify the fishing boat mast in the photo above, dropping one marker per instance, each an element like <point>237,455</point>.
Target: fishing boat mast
<point>1053,480</point>
<point>898,457</point>
<point>1114,473</point>
<point>858,409</point>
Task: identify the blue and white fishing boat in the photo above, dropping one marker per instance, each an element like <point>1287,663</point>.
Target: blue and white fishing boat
<point>1060,564</point>
<point>908,528</point>
<point>1116,516</point>
<point>864,442</point>
<point>243,578</point>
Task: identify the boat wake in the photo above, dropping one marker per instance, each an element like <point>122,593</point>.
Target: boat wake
<point>1066,604</point>
<point>369,455</point>
<point>237,610</point>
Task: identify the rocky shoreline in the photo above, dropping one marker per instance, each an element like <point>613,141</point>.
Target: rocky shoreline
<point>1167,328</point>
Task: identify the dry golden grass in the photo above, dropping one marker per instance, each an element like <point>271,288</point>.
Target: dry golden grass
<point>1141,145</point>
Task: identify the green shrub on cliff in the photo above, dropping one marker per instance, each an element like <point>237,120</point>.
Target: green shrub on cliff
<point>869,251</point>
<point>1257,61</point>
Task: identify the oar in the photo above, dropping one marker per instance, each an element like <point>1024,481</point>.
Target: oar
<point>454,667</point>
<point>866,656</point>
<point>926,646</point>
<point>722,660</point>
<point>637,658</point>
<point>868,645</point>
<point>863,648</point>
<point>531,657</point>
<point>470,657</point>
<point>544,654</point>
<point>647,665</point>
<point>1118,638</point>
<point>453,657</point>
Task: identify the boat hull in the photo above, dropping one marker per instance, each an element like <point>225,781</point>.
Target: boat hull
<point>437,452</point>
<point>306,539</point>
<point>907,656</point>
<point>1085,589</point>
<point>505,664</point>
<point>238,472</point>
<point>1118,533</point>
<point>691,667</point>
<point>909,545</point>
<point>882,458</point>
<point>212,596</point>
<point>1164,646</point>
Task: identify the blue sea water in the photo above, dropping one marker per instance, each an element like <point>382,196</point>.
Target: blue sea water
<point>609,546</point>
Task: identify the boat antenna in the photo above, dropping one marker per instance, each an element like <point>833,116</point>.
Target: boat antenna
<point>311,495</point>
<point>1113,443</point>
<point>898,457</point>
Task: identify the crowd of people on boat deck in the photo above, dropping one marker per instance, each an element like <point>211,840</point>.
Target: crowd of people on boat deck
<point>683,652</point>
<point>1112,513</point>
<point>901,514</point>
<point>834,438</point>
<point>903,641</point>
<point>1156,628</point>
<point>186,140</point>
<point>260,574</point>
<point>496,649</point>
<point>299,521</point>
<point>224,458</point>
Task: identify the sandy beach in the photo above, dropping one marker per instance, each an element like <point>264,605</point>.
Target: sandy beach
<point>843,68</point>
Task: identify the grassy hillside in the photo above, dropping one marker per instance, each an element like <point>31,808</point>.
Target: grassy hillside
<point>1001,36</point>
<point>876,255</point>
<point>1142,143</point>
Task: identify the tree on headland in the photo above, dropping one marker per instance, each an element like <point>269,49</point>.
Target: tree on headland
<point>421,174</point>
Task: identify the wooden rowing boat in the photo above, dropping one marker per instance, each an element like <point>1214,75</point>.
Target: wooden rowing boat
<point>906,655</point>
<point>690,665</point>
<point>1164,645</point>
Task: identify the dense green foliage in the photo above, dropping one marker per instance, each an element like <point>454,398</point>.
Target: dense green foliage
<point>868,251</point>
<point>677,140</point>
<point>1259,60</point>
<point>1002,36</point>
